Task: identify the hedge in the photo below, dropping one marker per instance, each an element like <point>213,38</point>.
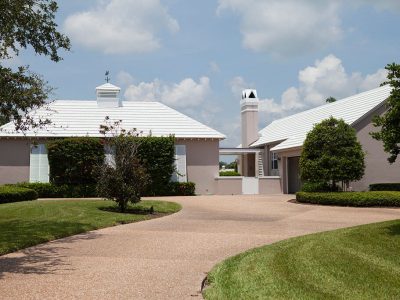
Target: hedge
<point>48,190</point>
<point>10,194</point>
<point>384,187</point>
<point>359,199</point>
<point>158,157</point>
<point>73,160</point>
<point>229,173</point>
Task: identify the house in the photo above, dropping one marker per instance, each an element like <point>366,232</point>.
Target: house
<point>269,158</point>
<point>196,144</point>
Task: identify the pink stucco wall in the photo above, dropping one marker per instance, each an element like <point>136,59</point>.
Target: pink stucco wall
<point>14,160</point>
<point>377,168</point>
<point>202,163</point>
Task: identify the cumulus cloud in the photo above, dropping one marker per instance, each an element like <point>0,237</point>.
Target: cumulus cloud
<point>326,78</point>
<point>285,27</point>
<point>121,26</point>
<point>185,94</point>
<point>238,84</point>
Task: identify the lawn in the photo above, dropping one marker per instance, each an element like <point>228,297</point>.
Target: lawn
<point>355,263</point>
<point>24,224</point>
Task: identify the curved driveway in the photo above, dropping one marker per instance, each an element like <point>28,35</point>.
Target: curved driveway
<point>166,258</point>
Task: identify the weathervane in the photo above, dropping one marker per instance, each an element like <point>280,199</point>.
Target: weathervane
<point>107,78</point>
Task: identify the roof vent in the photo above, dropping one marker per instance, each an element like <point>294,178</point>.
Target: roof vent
<point>107,95</point>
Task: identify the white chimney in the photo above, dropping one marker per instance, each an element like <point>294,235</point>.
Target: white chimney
<point>107,95</point>
<point>249,117</point>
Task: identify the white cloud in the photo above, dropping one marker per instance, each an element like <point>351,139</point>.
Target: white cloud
<point>124,78</point>
<point>238,84</point>
<point>121,26</point>
<point>326,78</point>
<point>187,93</point>
<point>286,27</point>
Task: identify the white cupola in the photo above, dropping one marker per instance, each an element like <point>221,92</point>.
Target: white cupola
<point>108,95</point>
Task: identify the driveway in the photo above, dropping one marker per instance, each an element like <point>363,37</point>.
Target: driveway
<point>167,258</point>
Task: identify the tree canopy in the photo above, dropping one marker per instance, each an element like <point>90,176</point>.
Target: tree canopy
<point>389,122</point>
<point>26,23</point>
<point>331,154</point>
<point>330,100</point>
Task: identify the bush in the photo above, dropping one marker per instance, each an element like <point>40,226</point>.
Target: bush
<point>158,156</point>
<point>384,187</point>
<point>314,187</point>
<point>182,188</point>
<point>72,160</point>
<point>49,190</point>
<point>360,199</point>
<point>15,194</point>
<point>229,173</point>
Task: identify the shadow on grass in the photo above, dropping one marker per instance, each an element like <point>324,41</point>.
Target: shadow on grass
<point>129,210</point>
<point>394,229</point>
<point>41,259</point>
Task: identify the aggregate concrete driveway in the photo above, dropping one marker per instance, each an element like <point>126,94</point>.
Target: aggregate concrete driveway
<point>166,258</point>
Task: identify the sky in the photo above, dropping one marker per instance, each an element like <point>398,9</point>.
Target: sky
<point>197,56</point>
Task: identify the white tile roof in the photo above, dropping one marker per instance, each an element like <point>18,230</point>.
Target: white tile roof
<point>82,118</point>
<point>292,130</point>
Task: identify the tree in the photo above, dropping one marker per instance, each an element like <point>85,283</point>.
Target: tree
<point>26,23</point>
<point>331,154</point>
<point>330,100</point>
<point>122,178</point>
<point>389,122</point>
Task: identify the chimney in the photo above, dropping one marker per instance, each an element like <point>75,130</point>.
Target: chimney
<point>249,117</point>
<point>107,95</point>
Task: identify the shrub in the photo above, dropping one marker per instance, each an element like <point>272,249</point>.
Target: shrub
<point>182,189</point>
<point>73,160</point>
<point>361,199</point>
<point>14,194</point>
<point>384,187</point>
<point>158,156</point>
<point>229,173</point>
<point>312,187</point>
<point>332,153</point>
<point>49,190</point>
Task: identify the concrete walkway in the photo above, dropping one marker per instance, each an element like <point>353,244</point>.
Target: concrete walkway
<point>166,258</point>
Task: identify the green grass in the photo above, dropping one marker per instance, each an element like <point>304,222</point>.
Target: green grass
<point>25,224</point>
<point>355,263</point>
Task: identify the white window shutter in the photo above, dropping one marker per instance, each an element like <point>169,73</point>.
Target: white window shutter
<point>39,164</point>
<point>180,164</point>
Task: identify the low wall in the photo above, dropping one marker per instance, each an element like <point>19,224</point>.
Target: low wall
<point>228,185</point>
<point>232,185</point>
<point>270,185</point>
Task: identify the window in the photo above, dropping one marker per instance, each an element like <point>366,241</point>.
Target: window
<point>180,164</point>
<point>274,161</point>
<point>39,164</point>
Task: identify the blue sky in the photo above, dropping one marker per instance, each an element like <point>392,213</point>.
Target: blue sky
<point>196,56</point>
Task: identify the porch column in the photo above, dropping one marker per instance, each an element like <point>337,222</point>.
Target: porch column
<point>256,166</point>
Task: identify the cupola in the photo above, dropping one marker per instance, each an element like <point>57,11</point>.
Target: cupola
<point>108,95</point>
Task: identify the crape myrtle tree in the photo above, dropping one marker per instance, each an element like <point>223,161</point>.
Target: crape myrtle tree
<point>389,122</point>
<point>26,23</point>
<point>122,177</point>
<point>332,154</point>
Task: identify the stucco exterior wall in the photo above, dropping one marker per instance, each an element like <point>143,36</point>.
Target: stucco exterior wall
<point>377,168</point>
<point>228,186</point>
<point>14,160</point>
<point>270,185</point>
<point>202,163</point>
